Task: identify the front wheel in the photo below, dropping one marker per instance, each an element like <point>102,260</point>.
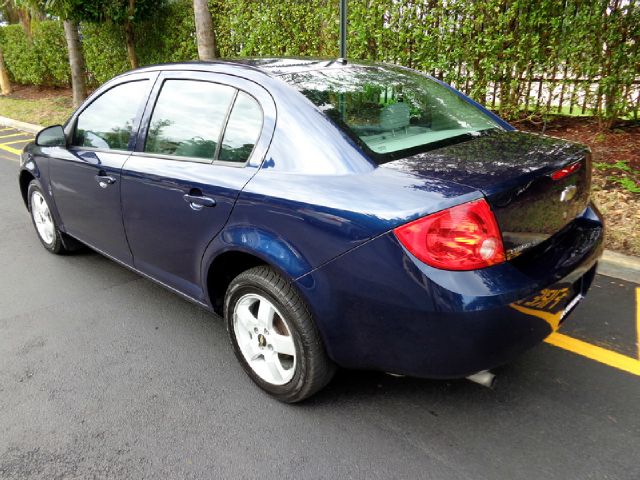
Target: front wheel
<point>45,225</point>
<point>274,336</point>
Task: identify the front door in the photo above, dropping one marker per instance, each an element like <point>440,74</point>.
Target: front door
<point>179,187</point>
<point>86,176</point>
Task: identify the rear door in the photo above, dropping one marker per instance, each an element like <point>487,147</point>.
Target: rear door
<point>202,139</point>
<point>86,176</point>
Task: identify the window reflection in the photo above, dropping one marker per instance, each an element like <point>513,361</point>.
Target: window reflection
<point>387,109</point>
<point>187,118</point>
<point>243,129</point>
<point>108,122</point>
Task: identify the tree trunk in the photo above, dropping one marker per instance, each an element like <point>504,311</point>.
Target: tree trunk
<point>5,86</point>
<point>25,20</point>
<point>204,30</point>
<point>131,48</point>
<point>128,33</point>
<point>76,62</point>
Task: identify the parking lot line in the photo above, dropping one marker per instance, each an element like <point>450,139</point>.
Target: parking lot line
<point>18,141</point>
<point>638,320</point>
<point>12,135</point>
<point>593,352</point>
<point>15,151</point>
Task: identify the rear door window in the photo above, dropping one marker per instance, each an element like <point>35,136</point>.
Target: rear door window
<point>242,131</point>
<point>188,119</point>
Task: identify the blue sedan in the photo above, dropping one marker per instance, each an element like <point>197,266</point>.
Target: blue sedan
<point>359,215</point>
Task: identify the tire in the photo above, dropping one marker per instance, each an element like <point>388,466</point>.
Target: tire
<point>43,222</point>
<point>267,322</point>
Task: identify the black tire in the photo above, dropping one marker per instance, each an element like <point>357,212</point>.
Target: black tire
<point>56,244</point>
<point>313,368</point>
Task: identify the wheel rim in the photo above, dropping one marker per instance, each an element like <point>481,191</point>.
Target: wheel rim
<point>42,218</point>
<point>264,338</point>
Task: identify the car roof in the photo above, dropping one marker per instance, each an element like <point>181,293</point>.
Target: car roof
<point>273,66</point>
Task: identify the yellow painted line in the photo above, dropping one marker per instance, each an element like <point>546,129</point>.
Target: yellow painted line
<point>18,141</point>
<point>13,135</point>
<point>638,320</point>
<point>593,352</point>
<point>15,151</point>
<point>5,129</point>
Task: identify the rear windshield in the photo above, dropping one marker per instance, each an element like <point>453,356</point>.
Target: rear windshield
<point>391,112</point>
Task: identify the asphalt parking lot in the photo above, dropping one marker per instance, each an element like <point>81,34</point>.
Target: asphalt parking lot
<point>104,374</point>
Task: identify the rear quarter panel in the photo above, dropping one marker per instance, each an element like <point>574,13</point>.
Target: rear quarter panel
<point>301,221</point>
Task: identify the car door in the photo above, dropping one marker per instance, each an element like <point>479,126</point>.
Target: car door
<point>202,138</point>
<point>86,176</point>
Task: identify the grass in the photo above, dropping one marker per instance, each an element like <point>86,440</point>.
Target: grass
<point>42,111</point>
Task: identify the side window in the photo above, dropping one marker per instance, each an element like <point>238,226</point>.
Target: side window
<point>188,118</point>
<point>243,129</point>
<point>108,122</point>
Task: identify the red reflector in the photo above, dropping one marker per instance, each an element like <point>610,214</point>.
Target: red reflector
<point>464,237</point>
<point>568,170</point>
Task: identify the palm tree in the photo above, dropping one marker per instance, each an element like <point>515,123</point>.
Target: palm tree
<point>204,30</point>
<point>76,62</point>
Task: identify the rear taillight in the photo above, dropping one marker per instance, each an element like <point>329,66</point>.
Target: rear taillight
<point>464,237</point>
<point>568,170</point>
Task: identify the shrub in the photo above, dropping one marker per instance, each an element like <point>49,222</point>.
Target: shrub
<point>168,36</point>
<point>51,48</point>
<point>105,53</point>
<point>39,60</point>
<point>21,57</point>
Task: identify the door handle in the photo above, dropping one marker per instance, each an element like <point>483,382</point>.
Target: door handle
<point>197,202</point>
<point>105,180</point>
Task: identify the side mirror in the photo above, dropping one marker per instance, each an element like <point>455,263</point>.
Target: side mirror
<point>51,137</point>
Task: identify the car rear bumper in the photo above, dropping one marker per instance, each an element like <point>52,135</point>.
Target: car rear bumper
<point>379,308</point>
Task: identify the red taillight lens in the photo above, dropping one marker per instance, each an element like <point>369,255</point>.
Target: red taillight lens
<point>464,237</point>
<point>568,170</point>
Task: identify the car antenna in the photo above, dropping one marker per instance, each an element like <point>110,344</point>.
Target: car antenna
<point>343,32</point>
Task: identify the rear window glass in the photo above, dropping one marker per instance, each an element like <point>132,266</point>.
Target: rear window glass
<point>389,111</point>
<point>243,129</point>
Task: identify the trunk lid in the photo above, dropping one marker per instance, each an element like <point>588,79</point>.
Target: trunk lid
<point>514,171</point>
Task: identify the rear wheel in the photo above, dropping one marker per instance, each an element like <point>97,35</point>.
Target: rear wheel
<point>45,225</point>
<point>274,336</point>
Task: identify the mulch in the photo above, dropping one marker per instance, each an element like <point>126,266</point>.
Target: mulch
<point>621,207</point>
<point>30,92</point>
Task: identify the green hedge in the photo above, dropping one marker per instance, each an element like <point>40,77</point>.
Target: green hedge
<point>168,37</point>
<point>104,49</point>
<point>498,51</point>
<point>39,60</point>
<point>278,28</point>
<point>43,60</point>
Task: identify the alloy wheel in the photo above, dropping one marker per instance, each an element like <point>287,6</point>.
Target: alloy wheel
<point>265,339</point>
<point>42,218</point>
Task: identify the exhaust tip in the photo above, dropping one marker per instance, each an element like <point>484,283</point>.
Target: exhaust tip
<point>484,378</point>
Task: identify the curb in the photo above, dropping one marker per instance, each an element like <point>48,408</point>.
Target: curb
<point>618,265</point>
<point>25,127</point>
